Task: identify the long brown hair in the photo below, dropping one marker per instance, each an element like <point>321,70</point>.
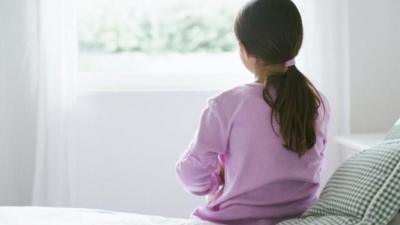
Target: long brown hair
<point>272,31</point>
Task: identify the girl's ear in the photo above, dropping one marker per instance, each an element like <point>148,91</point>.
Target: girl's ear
<point>243,51</point>
<point>248,60</point>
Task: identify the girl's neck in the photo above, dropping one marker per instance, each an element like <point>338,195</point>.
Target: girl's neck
<point>261,74</point>
<point>260,80</point>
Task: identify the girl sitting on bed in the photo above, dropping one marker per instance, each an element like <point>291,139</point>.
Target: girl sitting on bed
<point>259,147</point>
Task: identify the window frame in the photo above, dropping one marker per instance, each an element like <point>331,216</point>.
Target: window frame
<point>130,80</point>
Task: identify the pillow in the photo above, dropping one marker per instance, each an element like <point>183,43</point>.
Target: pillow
<point>394,133</point>
<point>364,190</point>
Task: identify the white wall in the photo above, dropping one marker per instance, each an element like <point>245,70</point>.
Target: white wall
<point>113,129</point>
<point>127,144</point>
<point>374,64</point>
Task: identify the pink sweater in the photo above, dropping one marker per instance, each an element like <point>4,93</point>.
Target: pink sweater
<point>264,182</point>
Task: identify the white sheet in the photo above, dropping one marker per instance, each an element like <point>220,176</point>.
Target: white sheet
<point>79,216</point>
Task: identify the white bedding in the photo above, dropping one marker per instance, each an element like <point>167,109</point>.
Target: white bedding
<point>78,216</point>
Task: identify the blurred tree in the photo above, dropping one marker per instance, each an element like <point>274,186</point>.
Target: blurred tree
<point>168,26</point>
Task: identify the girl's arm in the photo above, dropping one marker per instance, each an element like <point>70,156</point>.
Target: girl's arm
<point>198,167</point>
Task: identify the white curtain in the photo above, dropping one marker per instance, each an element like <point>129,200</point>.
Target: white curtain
<point>17,109</point>
<point>324,59</point>
<point>56,60</point>
<point>37,66</point>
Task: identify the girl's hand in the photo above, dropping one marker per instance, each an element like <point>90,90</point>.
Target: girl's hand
<point>221,170</point>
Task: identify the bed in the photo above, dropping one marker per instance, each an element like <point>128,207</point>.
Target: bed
<point>81,216</point>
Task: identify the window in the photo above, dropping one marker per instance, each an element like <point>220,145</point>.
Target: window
<point>158,45</point>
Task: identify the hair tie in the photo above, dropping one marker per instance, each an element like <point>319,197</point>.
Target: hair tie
<point>290,63</point>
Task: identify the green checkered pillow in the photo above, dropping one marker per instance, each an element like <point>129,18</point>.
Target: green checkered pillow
<point>364,190</point>
<point>394,133</point>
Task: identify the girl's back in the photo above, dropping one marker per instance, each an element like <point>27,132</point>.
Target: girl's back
<point>259,147</point>
<point>263,183</point>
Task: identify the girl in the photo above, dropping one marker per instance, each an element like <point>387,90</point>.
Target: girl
<point>259,147</point>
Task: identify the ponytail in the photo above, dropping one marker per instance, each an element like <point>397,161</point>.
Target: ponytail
<point>272,31</point>
<point>294,102</point>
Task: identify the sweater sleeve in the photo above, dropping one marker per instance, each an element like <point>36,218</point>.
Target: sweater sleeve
<point>197,168</point>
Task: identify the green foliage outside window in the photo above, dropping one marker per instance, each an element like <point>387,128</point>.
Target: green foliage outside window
<point>162,26</point>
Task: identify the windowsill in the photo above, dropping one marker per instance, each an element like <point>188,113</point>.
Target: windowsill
<point>161,72</point>
<point>355,143</point>
<point>126,82</point>
<point>360,142</point>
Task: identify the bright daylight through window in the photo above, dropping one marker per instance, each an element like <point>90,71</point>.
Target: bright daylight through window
<point>158,44</point>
